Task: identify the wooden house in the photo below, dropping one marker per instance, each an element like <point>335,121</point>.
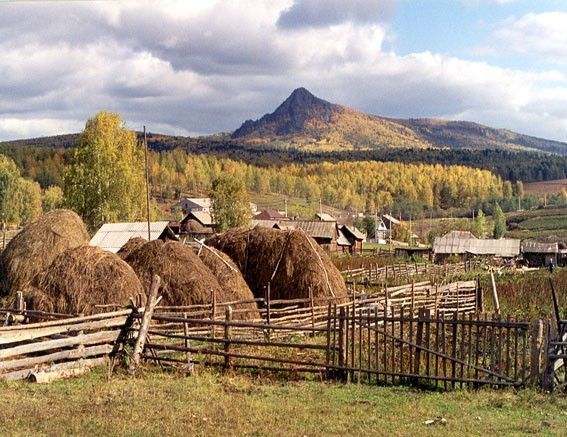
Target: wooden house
<point>197,225</point>
<point>538,254</point>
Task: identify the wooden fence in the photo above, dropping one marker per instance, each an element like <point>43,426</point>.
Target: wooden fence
<point>60,346</point>
<point>374,275</point>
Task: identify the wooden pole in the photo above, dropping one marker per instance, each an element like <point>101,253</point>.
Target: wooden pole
<point>494,293</point>
<point>213,312</point>
<point>342,344</point>
<point>187,344</point>
<point>145,324</point>
<point>227,336</point>
<point>147,182</point>
<point>268,315</point>
<point>536,335</point>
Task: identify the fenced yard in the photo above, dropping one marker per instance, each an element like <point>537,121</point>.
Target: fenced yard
<point>422,334</point>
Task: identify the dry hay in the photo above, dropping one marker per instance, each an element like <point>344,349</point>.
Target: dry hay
<point>131,245</point>
<point>82,277</point>
<point>34,248</point>
<point>292,262</point>
<point>185,279</point>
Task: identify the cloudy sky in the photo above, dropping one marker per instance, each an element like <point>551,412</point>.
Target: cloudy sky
<point>198,67</point>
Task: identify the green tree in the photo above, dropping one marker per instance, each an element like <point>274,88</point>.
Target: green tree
<point>9,182</point>
<point>479,227</point>
<point>230,203</point>
<point>105,179</point>
<point>52,198</point>
<point>29,200</point>
<point>499,222</point>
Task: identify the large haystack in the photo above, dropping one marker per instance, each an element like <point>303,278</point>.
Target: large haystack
<point>34,248</point>
<point>82,277</point>
<point>131,245</point>
<point>185,279</point>
<point>292,262</point>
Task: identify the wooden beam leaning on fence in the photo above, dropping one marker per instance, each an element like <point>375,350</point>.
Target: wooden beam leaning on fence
<point>153,300</point>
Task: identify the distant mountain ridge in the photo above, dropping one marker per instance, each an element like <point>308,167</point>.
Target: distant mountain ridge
<point>307,122</point>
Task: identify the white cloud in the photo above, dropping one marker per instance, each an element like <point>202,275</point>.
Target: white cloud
<point>543,34</point>
<point>201,67</point>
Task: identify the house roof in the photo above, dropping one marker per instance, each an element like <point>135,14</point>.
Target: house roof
<point>529,246</point>
<point>391,219</point>
<point>204,218</point>
<point>454,242</point>
<point>264,223</point>
<point>203,202</point>
<point>460,242</point>
<point>323,216</point>
<point>112,236</point>
<point>353,231</point>
<point>269,214</point>
<point>342,240</point>
<point>504,247</point>
<point>315,228</point>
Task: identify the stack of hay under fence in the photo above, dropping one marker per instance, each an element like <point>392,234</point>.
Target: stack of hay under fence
<point>82,277</point>
<point>131,245</point>
<point>35,247</point>
<point>290,261</point>
<point>185,279</point>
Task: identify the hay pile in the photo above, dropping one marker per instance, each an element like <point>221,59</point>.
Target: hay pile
<point>131,245</point>
<point>33,249</point>
<point>82,277</point>
<point>290,261</point>
<point>185,279</point>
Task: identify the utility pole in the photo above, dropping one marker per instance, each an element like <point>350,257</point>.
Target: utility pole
<point>285,203</point>
<point>147,182</point>
<point>320,207</point>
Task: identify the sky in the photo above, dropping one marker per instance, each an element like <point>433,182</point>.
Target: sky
<point>196,67</point>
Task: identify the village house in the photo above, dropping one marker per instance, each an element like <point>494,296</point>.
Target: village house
<point>538,254</point>
<point>197,225</point>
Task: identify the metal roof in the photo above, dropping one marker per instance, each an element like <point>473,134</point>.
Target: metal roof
<point>537,247</point>
<point>460,242</point>
<point>112,236</point>
<point>504,247</point>
<point>323,216</point>
<point>454,242</point>
<point>315,229</point>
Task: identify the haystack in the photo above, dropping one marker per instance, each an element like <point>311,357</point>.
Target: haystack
<point>82,277</point>
<point>34,248</point>
<point>185,279</point>
<point>290,261</point>
<point>131,245</point>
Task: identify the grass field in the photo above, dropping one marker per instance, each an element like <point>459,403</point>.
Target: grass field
<point>211,404</point>
<point>541,224</point>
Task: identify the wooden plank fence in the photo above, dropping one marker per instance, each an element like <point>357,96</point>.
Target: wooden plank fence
<point>59,347</point>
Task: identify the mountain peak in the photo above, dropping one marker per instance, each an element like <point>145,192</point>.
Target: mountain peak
<point>290,117</point>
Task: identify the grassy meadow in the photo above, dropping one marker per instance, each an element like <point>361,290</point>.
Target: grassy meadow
<point>208,403</point>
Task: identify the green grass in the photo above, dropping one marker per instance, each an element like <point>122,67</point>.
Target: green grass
<point>545,223</point>
<point>211,404</point>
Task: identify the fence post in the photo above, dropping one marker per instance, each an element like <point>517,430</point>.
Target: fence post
<point>423,315</point>
<point>328,334</point>
<point>189,365</point>
<point>268,315</point>
<point>227,336</point>
<point>342,346</point>
<point>536,333</point>
<point>479,299</point>
<point>312,302</point>
<point>213,311</point>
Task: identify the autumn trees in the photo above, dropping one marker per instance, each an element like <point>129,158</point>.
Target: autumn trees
<point>104,181</point>
<point>230,203</point>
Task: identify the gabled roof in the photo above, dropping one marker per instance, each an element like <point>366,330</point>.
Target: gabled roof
<point>112,236</point>
<point>537,247</point>
<point>454,242</point>
<point>315,228</point>
<point>352,231</point>
<point>203,202</point>
<point>269,214</point>
<point>264,223</point>
<point>324,217</point>
<point>342,240</point>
